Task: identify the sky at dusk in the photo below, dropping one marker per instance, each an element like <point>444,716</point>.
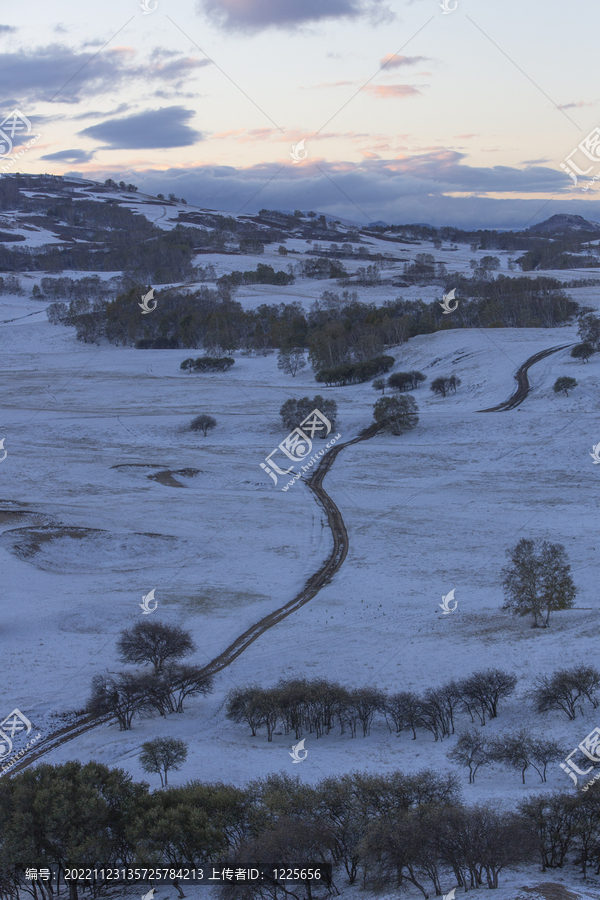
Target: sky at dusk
<point>407,113</point>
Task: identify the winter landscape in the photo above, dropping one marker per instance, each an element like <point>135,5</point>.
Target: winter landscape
<point>297,531</point>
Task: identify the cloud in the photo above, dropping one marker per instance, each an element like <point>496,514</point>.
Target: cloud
<point>43,72</point>
<point>254,135</point>
<point>393,61</point>
<point>176,70</point>
<point>148,130</point>
<point>387,91</point>
<point>257,15</point>
<point>74,156</point>
<point>437,187</point>
<point>5,29</point>
<point>577,105</point>
<point>332,84</point>
<point>98,114</point>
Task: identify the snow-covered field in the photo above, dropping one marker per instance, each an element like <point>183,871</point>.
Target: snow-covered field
<point>87,428</point>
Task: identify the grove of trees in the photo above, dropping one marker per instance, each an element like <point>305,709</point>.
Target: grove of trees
<point>317,706</point>
<point>406,381</point>
<point>382,832</point>
<point>338,329</point>
<point>207,364</point>
<point>355,373</point>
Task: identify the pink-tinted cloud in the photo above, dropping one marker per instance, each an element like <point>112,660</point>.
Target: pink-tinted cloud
<point>332,84</point>
<point>256,135</point>
<point>392,91</point>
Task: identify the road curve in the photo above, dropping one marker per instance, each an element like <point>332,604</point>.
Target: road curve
<point>523,386</point>
<point>322,576</point>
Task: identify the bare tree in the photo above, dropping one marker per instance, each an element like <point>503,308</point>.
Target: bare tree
<point>437,709</point>
<point>498,840</point>
<point>293,411</point>
<point>587,680</point>
<point>161,755</point>
<point>544,752</point>
<point>184,680</point>
<point>292,695</point>
<point>517,750</point>
<point>404,709</point>
<point>442,385</point>
<point>122,695</point>
<point>482,691</point>
<point>471,750</point>
<point>416,378</point>
<point>431,716</point>
<point>589,330</point>
<point>244,705</point>
<point>365,702</point>
<point>268,704</point>
<point>552,819</point>
<point>564,688</point>
<point>203,423</point>
<point>154,642</point>
<point>291,361</point>
<point>158,694</point>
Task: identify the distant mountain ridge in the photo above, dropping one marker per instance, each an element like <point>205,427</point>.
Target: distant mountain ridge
<point>560,223</point>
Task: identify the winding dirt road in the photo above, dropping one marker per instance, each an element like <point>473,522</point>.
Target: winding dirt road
<point>523,386</point>
<point>321,577</point>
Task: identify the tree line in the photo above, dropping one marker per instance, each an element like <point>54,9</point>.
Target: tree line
<point>317,706</point>
<point>381,832</point>
<point>337,329</point>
